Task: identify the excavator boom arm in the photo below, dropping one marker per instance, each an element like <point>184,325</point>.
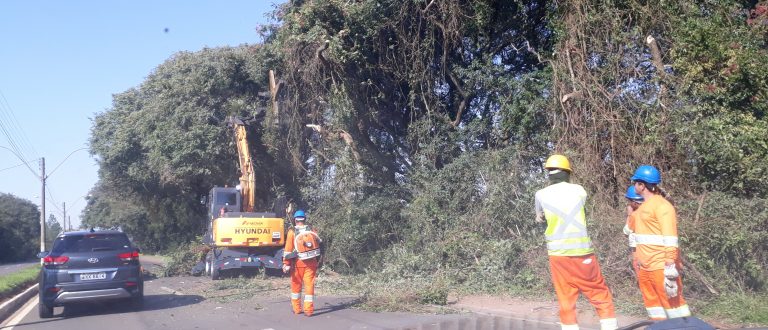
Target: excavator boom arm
<point>247,175</point>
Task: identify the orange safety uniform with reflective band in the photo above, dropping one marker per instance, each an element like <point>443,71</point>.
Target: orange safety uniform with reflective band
<point>303,271</point>
<point>572,262</point>
<point>580,273</point>
<point>655,226</point>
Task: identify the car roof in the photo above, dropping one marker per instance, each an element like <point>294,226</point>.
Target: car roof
<point>88,232</point>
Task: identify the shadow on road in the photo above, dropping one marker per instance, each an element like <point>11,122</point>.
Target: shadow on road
<point>151,303</point>
<point>329,308</point>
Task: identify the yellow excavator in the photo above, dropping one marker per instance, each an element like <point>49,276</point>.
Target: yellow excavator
<point>239,238</point>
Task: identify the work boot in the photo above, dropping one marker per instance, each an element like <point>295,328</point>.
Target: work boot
<point>296,305</point>
<point>309,308</point>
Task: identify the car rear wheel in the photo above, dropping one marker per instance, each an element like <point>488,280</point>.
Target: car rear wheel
<point>44,310</point>
<point>137,301</point>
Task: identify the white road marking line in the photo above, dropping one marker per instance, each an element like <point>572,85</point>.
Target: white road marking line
<point>20,315</point>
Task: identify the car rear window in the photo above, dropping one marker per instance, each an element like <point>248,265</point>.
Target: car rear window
<point>90,243</point>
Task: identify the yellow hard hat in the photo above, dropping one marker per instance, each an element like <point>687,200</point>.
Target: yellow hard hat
<point>558,161</point>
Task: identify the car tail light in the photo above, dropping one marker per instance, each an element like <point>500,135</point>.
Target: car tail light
<point>226,240</point>
<point>129,256</point>
<point>55,261</point>
<point>54,289</point>
<point>131,283</point>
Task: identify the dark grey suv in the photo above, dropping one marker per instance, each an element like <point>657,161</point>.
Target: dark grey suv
<point>90,266</point>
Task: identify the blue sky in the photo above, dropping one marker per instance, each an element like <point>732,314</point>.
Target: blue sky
<point>61,61</point>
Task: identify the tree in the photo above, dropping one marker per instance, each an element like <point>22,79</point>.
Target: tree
<point>19,228</point>
<point>164,144</point>
<point>52,229</point>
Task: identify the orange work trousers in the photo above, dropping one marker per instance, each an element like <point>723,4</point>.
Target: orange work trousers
<point>574,274</point>
<point>303,275</point>
<point>657,304</point>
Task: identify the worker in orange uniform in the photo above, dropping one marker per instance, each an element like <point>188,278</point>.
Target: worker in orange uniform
<point>572,259</point>
<point>634,202</point>
<point>655,228</point>
<point>300,259</point>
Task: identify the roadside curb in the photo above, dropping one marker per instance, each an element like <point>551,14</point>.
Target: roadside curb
<point>10,306</point>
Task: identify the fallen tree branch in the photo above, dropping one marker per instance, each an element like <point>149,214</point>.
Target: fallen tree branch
<point>698,275</point>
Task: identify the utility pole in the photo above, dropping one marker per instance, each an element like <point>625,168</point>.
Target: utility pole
<point>70,223</point>
<point>64,219</point>
<point>42,206</point>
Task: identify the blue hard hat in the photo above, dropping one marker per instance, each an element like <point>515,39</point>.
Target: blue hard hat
<point>633,195</point>
<point>647,174</point>
<point>299,214</point>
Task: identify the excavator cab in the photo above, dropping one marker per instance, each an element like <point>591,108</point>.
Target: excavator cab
<point>223,200</point>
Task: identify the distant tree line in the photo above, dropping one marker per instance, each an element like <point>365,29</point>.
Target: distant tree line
<point>20,229</point>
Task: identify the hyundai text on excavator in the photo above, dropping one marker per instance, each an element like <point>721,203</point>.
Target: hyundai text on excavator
<point>239,238</point>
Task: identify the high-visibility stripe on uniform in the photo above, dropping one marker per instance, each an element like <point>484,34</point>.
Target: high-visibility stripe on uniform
<point>660,240</point>
<point>569,326</point>
<point>562,205</point>
<point>309,254</point>
<point>682,311</point>
<point>569,246</point>
<point>295,296</point>
<point>568,219</point>
<point>656,313</point>
<point>309,298</point>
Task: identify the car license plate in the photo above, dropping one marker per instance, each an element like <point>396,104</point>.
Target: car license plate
<point>93,276</point>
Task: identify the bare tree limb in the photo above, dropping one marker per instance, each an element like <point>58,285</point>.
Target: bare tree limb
<point>572,95</point>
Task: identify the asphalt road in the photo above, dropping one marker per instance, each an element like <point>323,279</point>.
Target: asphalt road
<point>164,310</point>
<point>169,304</point>
<point>14,267</point>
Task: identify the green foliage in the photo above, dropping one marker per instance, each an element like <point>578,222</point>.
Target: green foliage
<point>19,229</point>
<point>164,144</point>
<point>183,257</point>
<point>725,237</point>
<point>414,131</point>
<point>14,282</point>
<point>746,309</point>
<point>723,81</point>
<point>52,229</point>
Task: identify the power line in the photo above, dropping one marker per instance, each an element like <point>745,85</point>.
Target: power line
<point>21,159</point>
<point>55,203</point>
<point>12,167</point>
<point>65,159</point>
<point>7,120</point>
<point>14,124</point>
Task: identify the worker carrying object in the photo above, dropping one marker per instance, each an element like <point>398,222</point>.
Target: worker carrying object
<point>634,201</point>
<point>300,259</point>
<point>658,259</point>
<point>572,260</point>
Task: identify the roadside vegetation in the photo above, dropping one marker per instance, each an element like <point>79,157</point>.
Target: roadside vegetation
<point>14,283</point>
<point>429,122</point>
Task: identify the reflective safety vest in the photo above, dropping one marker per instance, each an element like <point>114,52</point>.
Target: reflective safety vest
<point>562,205</point>
<point>655,226</point>
<point>307,244</point>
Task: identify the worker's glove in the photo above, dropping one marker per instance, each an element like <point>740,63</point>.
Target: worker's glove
<point>286,268</point>
<point>670,286</point>
<point>670,272</point>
